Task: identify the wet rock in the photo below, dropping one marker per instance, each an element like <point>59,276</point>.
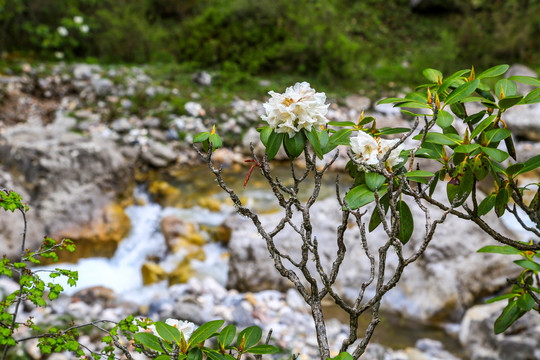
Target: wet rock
<point>358,102</point>
<point>158,154</point>
<point>209,203</point>
<point>179,234</point>
<point>166,194</point>
<point>520,341</point>
<point>152,273</point>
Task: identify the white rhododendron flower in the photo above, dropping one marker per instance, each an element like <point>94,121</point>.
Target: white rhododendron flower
<point>78,19</point>
<point>62,31</point>
<point>370,149</point>
<point>85,29</point>
<point>300,107</point>
<point>185,327</point>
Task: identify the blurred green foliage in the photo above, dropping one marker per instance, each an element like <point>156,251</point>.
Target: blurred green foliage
<point>333,41</point>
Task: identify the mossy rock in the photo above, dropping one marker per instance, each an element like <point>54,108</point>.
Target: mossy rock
<point>152,273</point>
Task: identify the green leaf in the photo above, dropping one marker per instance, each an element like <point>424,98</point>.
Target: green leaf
<point>205,331</point>
<point>263,349</point>
<point>482,126</point>
<point>458,109</point>
<point>195,354</point>
<point>419,176</point>
<point>433,75</point>
<point>496,135</point>
<point>466,148</point>
<point>461,185</point>
<point>530,164</point>
<point>501,297</point>
<point>504,88</point>
<point>406,222</point>
<point>501,200</point>
<point>525,302</point>
<point>441,139</point>
<point>375,219</point>
<point>486,205</point>
<point>496,249</point>
<point>532,97</point>
<point>390,100</point>
<point>200,137</point>
<point>251,336</point>
<point>474,118</point>
<point>265,134</point>
<point>167,332</point>
<point>149,340</point>
<point>343,356</point>
<point>215,140</point>
<point>509,315</point>
<point>450,80</point>
<point>391,131</point>
<point>495,154</point>
<point>160,357</point>
<point>528,264</point>
<point>341,123</point>
<point>493,72</point>
<point>226,336</point>
<point>273,144</point>
<point>213,354</point>
<point>366,120</point>
<point>374,180</point>
<point>461,92</point>
<point>514,169</point>
<point>529,80</point>
<point>444,119</point>
<point>510,147</point>
<point>361,195</point>
<point>413,105</point>
<point>510,101</point>
<point>294,146</point>
<point>315,142</point>
<point>340,137</point>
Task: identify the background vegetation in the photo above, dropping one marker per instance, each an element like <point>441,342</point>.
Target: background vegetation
<point>332,41</point>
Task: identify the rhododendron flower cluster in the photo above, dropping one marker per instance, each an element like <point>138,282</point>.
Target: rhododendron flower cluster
<point>300,107</point>
<point>371,150</point>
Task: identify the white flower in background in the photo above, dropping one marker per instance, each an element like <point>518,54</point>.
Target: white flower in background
<point>185,327</point>
<point>59,54</point>
<point>85,29</point>
<point>62,31</point>
<point>300,107</point>
<point>78,19</point>
<point>370,150</point>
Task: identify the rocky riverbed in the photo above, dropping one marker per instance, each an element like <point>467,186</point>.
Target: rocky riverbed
<point>75,143</point>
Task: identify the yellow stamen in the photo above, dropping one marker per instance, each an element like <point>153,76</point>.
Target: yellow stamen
<point>288,101</point>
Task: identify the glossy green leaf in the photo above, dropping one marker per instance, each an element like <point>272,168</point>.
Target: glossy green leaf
<point>460,186</point>
<point>414,105</point>
<point>273,144</point>
<point>486,205</point>
<point>391,131</point>
<point>531,164</point>
<point>315,142</point>
<point>482,126</point>
<point>493,71</point>
<point>450,80</point>
<point>433,75</point>
<point>410,113</point>
<point>509,315</point>
<point>343,356</point>
<point>341,123</point>
<point>525,302</point>
<point>406,222</point>
<point>361,195</point>
<point>216,141</point>
<point>441,139</point>
<point>501,200</point>
<point>467,148</point>
<point>167,332</point>
<point>390,100</point>
<point>251,336</point>
<point>205,331</point>
<point>265,134</point>
<point>149,340</point>
<point>262,349</point>
<point>474,118</point>
<point>529,80</point>
<point>495,154</point>
<point>497,249</point>
<point>226,335</point>
<point>366,120</point>
<point>532,97</point>
<point>504,88</point>
<point>458,109</point>
<point>294,146</point>
<point>419,176</point>
<point>340,137</point>
<point>528,264</point>
<point>461,92</point>
<point>195,354</point>
<point>200,137</point>
<point>501,297</point>
<point>213,354</point>
<point>496,135</point>
<point>166,357</point>
<point>444,119</point>
<point>374,180</point>
<point>510,147</point>
<point>510,101</point>
<point>376,219</point>
<point>514,169</point>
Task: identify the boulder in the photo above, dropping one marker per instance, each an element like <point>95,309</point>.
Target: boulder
<point>180,234</point>
<point>76,186</point>
<point>158,154</point>
<point>519,341</point>
<point>524,121</point>
<point>447,279</point>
